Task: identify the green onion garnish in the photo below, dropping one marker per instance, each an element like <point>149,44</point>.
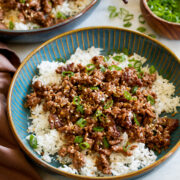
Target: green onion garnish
<point>112,10</point>
<point>130,65</point>
<point>128,24</point>
<point>11,25</point>
<point>33,141</point>
<point>94,88</point>
<point>134,89</point>
<point>98,113</point>
<point>22,1</point>
<point>119,58</point>
<point>84,145</point>
<point>60,60</point>
<point>90,67</point>
<point>137,65</point>
<point>60,15</point>
<point>152,69</point>
<point>81,122</point>
<point>98,129</point>
<point>80,108</point>
<point>69,73</point>
<point>78,139</point>
<point>126,147</point>
<point>128,17</point>
<point>141,29</point>
<point>108,104</point>
<point>151,99</point>
<point>127,95</point>
<point>102,68</point>
<point>141,19</point>
<point>114,67</point>
<point>135,120</point>
<point>105,142</point>
<point>106,58</point>
<point>152,35</point>
<point>76,100</point>
<point>125,51</point>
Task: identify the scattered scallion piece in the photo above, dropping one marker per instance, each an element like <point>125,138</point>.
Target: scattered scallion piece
<point>128,24</point>
<point>22,1</point>
<point>90,67</point>
<point>141,19</point>
<point>102,68</point>
<point>67,73</point>
<point>152,69</point>
<point>60,15</point>
<point>152,35</point>
<point>84,145</point>
<point>98,129</point>
<point>141,29</point>
<point>123,12</point>
<point>137,65</point>
<point>105,142</point>
<point>33,141</point>
<point>113,12</point>
<point>98,113</point>
<point>151,99</point>
<point>78,139</point>
<point>108,104</point>
<point>81,122</point>
<point>120,58</point>
<point>135,120</point>
<point>80,108</point>
<point>126,147</point>
<point>60,60</point>
<point>11,25</point>
<point>94,88</point>
<point>76,100</point>
<point>134,89</point>
<point>114,67</point>
<point>127,95</point>
<point>125,51</point>
<point>128,17</point>
<point>106,58</point>
<point>130,65</point>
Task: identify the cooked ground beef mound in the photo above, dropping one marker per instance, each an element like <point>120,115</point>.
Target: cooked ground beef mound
<point>94,105</point>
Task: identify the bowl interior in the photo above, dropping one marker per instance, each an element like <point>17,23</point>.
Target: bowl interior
<point>65,45</point>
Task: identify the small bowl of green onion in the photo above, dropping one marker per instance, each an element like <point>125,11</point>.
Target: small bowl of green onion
<point>163,16</point>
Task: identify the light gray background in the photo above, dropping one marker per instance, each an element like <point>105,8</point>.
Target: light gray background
<point>170,170</point>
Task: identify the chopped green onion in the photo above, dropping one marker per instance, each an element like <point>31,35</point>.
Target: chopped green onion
<point>106,58</point>
<point>94,88</point>
<point>119,58</point>
<point>60,15</point>
<point>80,108</point>
<point>90,67</point>
<point>151,99</point>
<point>128,24</point>
<point>127,95</point>
<point>69,73</point>
<point>123,12</point>
<point>137,65</point>
<point>141,29</point>
<point>98,129</point>
<point>76,100</point>
<point>152,35</point>
<point>105,142</point>
<point>33,141</point>
<point>22,1</point>
<point>108,104</point>
<point>84,145</point>
<point>81,122</point>
<point>134,89</point>
<point>60,60</point>
<point>135,120</point>
<point>113,12</point>
<point>78,139</point>
<point>130,65</point>
<point>102,68</point>
<point>152,69</point>
<point>114,67</point>
<point>98,113</point>
<point>11,25</point>
<point>132,60</point>
<point>128,17</point>
<point>134,98</point>
<point>141,19</point>
<point>126,147</point>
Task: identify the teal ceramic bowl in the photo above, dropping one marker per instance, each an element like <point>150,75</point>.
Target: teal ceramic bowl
<point>108,38</point>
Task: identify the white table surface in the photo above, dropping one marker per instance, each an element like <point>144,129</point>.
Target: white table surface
<point>170,170</point>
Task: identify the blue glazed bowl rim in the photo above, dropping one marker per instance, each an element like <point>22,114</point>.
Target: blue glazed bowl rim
<point>67,21</point>
<point>46,165</point>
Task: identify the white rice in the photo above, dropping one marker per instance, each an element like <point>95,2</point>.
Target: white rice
<point>50,141</point>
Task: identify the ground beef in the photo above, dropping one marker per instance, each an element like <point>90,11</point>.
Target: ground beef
<point>93,108</point>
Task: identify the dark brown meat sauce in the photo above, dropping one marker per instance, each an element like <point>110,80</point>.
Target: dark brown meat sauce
<point>36,11</point>
<point>93,109</point>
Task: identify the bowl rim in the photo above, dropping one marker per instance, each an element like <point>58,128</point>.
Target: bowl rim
<point>54,169</point>
<point>67,21</point>
<point>157,17</point>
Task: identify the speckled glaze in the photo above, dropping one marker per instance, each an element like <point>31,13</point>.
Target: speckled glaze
<point>107,38</point>
<point>43,34</point>
<point>164,28</point>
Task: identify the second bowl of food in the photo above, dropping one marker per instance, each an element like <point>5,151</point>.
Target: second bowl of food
<point>97,103</point>
<point>27,21</point>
